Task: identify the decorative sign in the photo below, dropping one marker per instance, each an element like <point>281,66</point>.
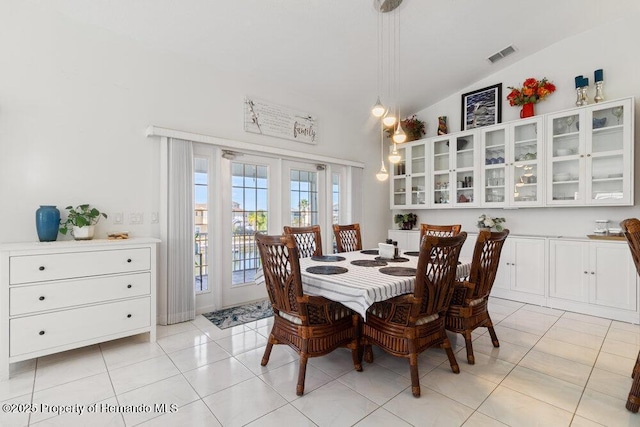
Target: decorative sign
<point>272,120</point>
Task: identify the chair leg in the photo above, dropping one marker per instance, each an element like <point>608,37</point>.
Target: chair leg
<point>633,401</point>
<point>636,368</point>
<point>467,341</point>
<point>415,376</point>
<point>355,355</point>
<point>446,345</point>
<point>302,373</point>
<point>368,353</point>
<point>492,332</point>
<point>267,350</point>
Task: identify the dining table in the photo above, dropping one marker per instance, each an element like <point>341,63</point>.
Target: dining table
<point>359,279</point>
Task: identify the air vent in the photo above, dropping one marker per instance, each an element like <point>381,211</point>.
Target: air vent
<point>503,53</point>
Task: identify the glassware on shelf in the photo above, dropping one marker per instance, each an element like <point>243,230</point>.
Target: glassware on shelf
<point>617,112</point>
<point>569,121</point>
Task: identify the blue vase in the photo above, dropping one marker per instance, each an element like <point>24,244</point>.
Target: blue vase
<point>47,223</point>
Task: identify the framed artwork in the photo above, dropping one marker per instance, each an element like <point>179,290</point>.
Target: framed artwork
<point>481,107</point>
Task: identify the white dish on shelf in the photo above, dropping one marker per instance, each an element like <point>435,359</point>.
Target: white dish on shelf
<point>561,177</point>
<point>564,152</point>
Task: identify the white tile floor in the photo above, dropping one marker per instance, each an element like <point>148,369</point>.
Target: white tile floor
<point>553,368</point>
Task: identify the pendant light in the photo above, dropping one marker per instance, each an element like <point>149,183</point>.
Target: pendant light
<point>382,174</point>
<point>399,136</point>
<point>395,157</point>
<point>390,118</point>
<point>378,109</point>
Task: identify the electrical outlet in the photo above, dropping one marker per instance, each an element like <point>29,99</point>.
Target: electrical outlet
<point>118,218</point>
<point>154,217</point>
<point>136,218</point>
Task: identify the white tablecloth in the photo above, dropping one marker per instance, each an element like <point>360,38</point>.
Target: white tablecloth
<point>361,286</point>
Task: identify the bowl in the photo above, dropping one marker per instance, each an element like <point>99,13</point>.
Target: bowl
<point>564,151</point>
<point>564,176</point>
<point>598,123</point>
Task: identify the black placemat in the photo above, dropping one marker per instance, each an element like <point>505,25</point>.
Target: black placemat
<point>328,258</point>
<point>412,253</point>
<point>370,252</point>
<point>397,259</point>
<point>369,263</point>
<point>398,271</point>
<point>326,269</point>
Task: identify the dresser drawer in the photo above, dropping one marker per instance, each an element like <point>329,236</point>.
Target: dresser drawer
<point>55,295</point>
<point>44,331</point>
<point>38,268</point>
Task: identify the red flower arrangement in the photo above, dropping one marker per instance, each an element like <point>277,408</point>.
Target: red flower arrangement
<point>413,127</point>
<point>532,91</point>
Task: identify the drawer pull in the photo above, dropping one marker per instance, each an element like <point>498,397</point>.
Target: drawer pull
<point>41,298</point>
<point>41,333</point>
<point>129,260</point>
<point>41,268</point>
<point>128,316</point>
<point>129,286</point>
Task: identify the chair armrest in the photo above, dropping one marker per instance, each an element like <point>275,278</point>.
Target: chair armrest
<point>460,292</point>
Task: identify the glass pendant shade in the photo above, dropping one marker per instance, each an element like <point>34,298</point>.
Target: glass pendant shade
<point>399,136</point>
<point>382,174</point>
<point>378,109</point>
<point>394,157</point>
<point>389,120</point>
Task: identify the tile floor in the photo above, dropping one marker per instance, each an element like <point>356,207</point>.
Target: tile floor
<point>553,368</point>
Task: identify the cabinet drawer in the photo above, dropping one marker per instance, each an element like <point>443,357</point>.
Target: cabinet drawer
<point>55,295</point>
<point>43,331</point>
<point>37,268</point>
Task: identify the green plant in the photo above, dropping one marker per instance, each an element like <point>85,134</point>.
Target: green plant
<point>485,221</point>
<point>80,216</point>
<point>406,220</point>
<point>413,127</point>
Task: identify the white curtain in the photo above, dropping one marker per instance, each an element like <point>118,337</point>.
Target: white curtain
<point>181,297</point>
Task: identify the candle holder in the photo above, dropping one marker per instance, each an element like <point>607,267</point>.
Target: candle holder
<point>579,97</point>
<point>599,95</point>
<point>583,95</point>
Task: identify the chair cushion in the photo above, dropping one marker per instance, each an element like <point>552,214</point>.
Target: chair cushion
<point>427,319</point>
<point>475,302</point>
<point>291,318</point>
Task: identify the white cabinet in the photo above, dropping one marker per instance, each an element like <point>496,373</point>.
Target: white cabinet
<point>511,156</point>
<point>521,274</point>
<point>454,170</point>
<point>595,277</point>
<point>58,296</point>
<point>590,156</point>
<point>408,179</point>
<point>408,240</point>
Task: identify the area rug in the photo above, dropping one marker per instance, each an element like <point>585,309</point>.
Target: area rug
<point>234,316</point>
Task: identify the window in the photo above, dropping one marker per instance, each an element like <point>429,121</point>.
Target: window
<point>201,221</point>
<point>249,213</point>
<point>304,198</point>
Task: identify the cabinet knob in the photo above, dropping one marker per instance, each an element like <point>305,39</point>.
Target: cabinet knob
<point>588,155</point>
<point>593,272</point>
<point>129,286</point>
<point>581,155</point>
<point>128,259</point>
<point>128,316</point>
<point>41,298</point>
<point>586,272</point>
<point>41,333</point>
<point>41,268</point>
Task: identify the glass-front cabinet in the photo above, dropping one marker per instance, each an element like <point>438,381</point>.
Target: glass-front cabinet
<point>590,155</point>
<point>454,170</point>
<point>511,156</point>
<point>408,182</point>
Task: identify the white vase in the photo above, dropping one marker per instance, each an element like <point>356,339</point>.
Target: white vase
<point>83,233</point>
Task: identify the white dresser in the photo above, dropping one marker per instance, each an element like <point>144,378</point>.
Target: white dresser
<point>56,296</point>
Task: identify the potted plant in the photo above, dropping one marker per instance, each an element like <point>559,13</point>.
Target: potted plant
<point>406,221</point>
<point>413,127</point>
<point>81,221</point>
<point>485,222</point>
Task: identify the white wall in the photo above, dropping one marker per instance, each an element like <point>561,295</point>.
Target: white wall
<point>611,47</point>
<point>75,102</point>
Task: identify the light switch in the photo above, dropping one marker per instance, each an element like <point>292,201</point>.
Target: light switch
<point>154,217</point>
<point>117,218</point>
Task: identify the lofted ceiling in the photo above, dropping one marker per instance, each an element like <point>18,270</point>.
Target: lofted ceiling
<point>327,49</point>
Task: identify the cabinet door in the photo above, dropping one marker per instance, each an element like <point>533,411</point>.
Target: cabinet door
<point>566,158</point>
<point>613,276</point>
<point>503,275</point>
<point>492,162</point>
<point>569,270</point>
<point>465,170</point>
<point>525,162</point>
<point>441,171</point>
<point>399,183</point>
<point>608,154</point>
<point>416,175</point>
<point>528,266</point>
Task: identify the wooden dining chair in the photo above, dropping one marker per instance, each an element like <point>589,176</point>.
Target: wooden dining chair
<point>408,324</point>
<point>439,230</point>
<point>308,240</point>
<point>469,304</point>
<point>631,229</point>
<point>311,325</point>
<point>348,237</point>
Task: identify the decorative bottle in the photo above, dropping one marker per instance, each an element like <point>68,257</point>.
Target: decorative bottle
<point>47,223</point>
